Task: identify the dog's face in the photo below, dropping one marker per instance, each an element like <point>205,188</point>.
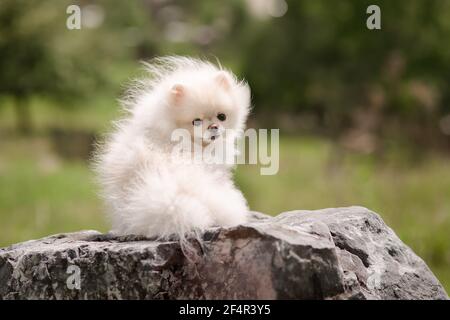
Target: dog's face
<point>208,107</point>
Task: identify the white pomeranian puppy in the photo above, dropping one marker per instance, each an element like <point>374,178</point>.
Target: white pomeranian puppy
<point>146,189</point>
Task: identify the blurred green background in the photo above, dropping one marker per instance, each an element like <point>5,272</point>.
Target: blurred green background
<point>364,115</point>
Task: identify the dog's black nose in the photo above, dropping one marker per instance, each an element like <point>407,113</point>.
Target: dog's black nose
<point>213,127</point>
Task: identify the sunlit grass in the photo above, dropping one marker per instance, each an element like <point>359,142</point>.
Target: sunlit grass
<point>90,115</point>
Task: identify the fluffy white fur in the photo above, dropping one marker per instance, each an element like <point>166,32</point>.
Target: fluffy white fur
<point>146,191</point>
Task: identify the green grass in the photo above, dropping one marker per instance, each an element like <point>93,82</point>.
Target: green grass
<point>41,193</point>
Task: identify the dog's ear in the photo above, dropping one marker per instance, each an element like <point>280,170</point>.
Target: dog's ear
<point>223,79</point>
<point>177,92</point>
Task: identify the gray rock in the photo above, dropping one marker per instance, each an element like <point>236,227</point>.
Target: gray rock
<point>344,253</point>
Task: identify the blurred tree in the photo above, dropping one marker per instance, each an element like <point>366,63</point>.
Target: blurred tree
<point>41,57</point>
<point>26,62</point>
<point>320,59</point>
<point>31,62</point>
<point>316,59</point>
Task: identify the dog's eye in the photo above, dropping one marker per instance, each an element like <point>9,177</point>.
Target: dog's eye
<point>196,122</point>
<point>222,117</point>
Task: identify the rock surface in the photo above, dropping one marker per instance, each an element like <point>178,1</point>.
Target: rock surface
<point>343,253</point>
